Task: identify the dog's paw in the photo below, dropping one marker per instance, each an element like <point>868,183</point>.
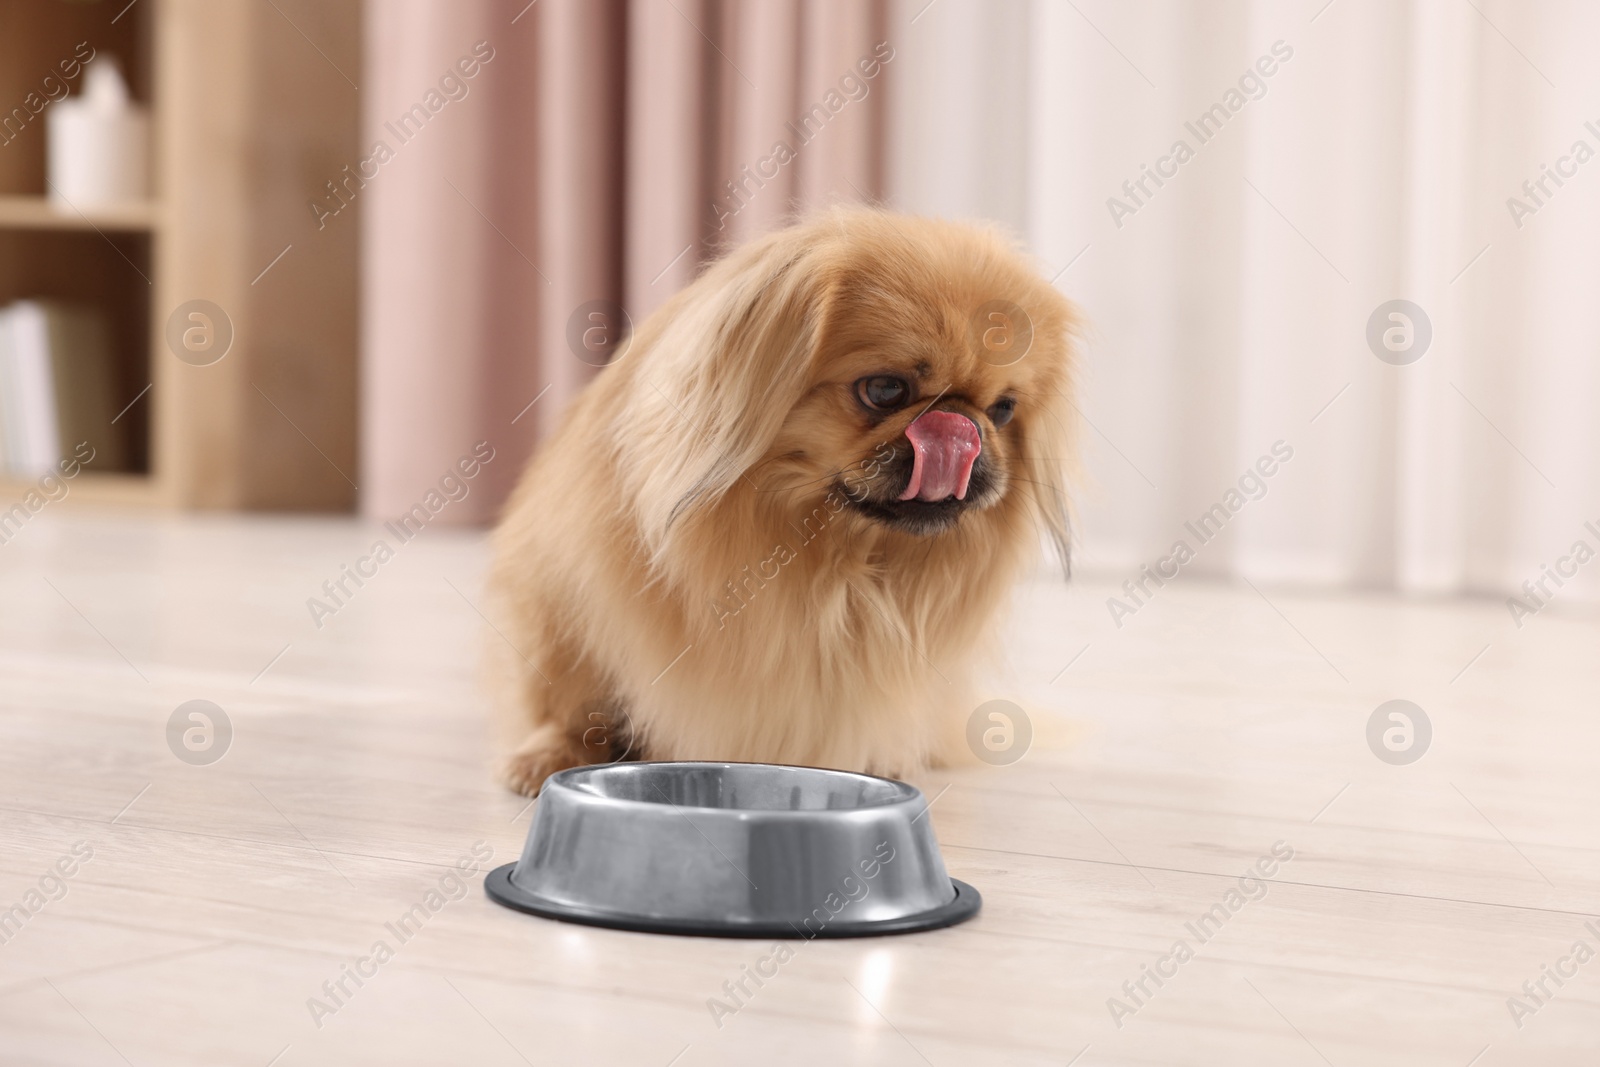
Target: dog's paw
<point>542,755</point>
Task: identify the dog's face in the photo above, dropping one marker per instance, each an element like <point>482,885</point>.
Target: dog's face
<point>936,388</point>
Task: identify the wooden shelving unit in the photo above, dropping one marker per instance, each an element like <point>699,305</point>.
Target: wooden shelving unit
<point>253,109</point>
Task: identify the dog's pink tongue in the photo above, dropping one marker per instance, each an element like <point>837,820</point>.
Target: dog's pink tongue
<point>943,446</point>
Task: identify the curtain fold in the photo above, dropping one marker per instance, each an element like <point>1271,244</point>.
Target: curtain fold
<point>605,153</point>
<point>1382,158</point>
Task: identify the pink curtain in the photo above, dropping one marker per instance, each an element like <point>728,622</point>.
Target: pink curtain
<point>599,151</point>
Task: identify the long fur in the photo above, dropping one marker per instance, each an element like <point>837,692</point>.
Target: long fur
<point>678,575</point>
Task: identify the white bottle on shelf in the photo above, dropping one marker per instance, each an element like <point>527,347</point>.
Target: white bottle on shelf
<point>98,142</point>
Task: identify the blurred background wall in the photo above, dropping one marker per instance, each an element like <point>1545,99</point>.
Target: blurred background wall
<point>1340,156</point>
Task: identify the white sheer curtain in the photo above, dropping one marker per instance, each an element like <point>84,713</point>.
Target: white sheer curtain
<point>1229,309</point>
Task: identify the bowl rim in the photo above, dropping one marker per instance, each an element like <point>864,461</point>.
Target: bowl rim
<point>562,780</point>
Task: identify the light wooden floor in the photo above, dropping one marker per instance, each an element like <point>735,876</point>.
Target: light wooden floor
<point>1169,757</point>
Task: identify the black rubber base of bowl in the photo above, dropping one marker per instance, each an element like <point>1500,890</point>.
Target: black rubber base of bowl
<point>501,890</point>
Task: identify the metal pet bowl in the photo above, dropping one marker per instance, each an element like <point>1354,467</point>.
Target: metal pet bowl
<point>733,850</point>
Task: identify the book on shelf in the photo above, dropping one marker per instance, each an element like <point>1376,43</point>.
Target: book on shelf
<point>56,387</point>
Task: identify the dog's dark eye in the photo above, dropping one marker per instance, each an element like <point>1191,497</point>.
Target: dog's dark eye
<point>1000,411</point>
<point>883,392</point>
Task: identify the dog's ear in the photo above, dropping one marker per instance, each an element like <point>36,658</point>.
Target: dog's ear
<point>712,389</point>
<point>1046,443</point>
<point>1048,436</point>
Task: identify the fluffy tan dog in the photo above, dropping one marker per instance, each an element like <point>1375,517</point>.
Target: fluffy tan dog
<point>780,527</point>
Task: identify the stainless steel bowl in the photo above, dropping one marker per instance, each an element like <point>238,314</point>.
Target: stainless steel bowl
<point>733,850</point>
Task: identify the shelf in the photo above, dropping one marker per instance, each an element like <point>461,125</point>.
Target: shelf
<point>89,487</point>
<point>41,213</point>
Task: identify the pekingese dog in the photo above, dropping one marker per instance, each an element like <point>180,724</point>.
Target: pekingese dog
<point>780,527</point>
